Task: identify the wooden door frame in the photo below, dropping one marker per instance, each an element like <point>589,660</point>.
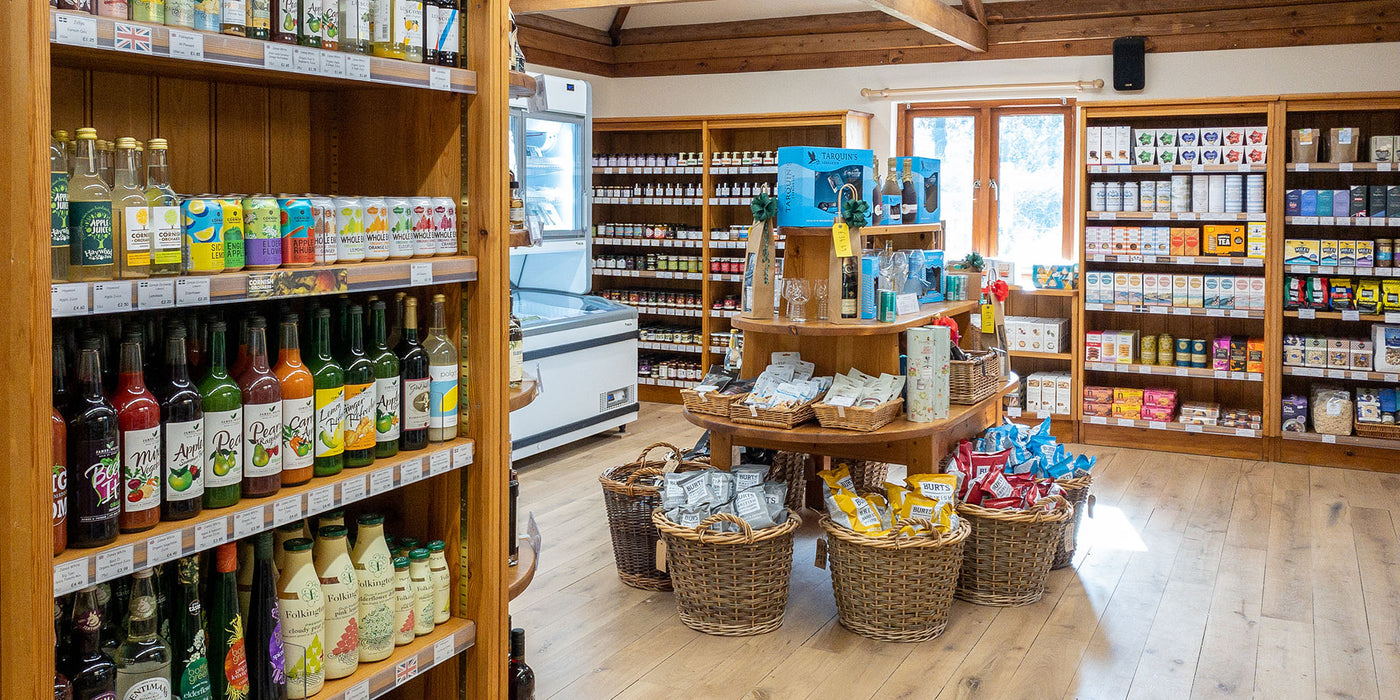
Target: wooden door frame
<point>1068,233</point>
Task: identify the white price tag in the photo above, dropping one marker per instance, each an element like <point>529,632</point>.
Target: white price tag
<point>1093,306</point>
<point>1222,374</point>
<point>1239,375</point>
<point>1013,411</point>
<point>357,67</point>
<point>1325,221</point>
<point>439,78</point>
<point>75,30</point>
<point>1352,315</point>
<point>307,60</point>
<point>444,650</point>
<point>1346,270</point>
<point>1183,372</point>
<point>164,547</point>
<point>1096,257</point>
<point>352,490</point>
<point>1198,168</point>
<point>410,471</point>
<point>420,273</point>
<point>1187,216</point>
<point>1390,377</point>
<point>1149,259</point>
<point>1193,428</point>
<point>1360,374</point>
<point>1042,415</point>
<point>286,510</point>
<point>1108,215</point>
<point>320,500</point>
<point>247,523</point>
<point>381,481</point>
<point>278,56</point>
<point>1098,420</point>
<point>186,45</point>
<point>1302,167</point>
<point>70,576</point>
<point>1181,311</point>
<point>1345,167</point>
<point>1239,313</point>
<point>1157,425</point>
<point>132,38</point>
<point>155,294</point>
<point>1307,371</point>
<point>111,297</point>
<point>68,299</point>
<point>1337,374</point>
<point>1161,216</point>
<point>359,691</point>
<point>1383,167</point>
<point>1217,313</point>
<point>115,563</point>
<point>210,534</point>
<point>1329,438</point>
<point>332,64</point>
<point>192,291</point>
<point>1299,268</point>
<point>1307,313</point>
<point>1244,432</point>
<point>1144,369</point>
<point>1127,422</point>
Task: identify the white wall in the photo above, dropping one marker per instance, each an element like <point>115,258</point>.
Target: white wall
<point>1169,76</point>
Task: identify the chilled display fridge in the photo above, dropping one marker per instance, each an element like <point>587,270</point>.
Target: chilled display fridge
<point>555,142</point>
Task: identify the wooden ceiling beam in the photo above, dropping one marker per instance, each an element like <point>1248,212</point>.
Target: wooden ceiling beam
<point>526,7</point>
<point>615,31</point>
<point>554,25</point>
<point>938,19</point>
<point>975,10</point>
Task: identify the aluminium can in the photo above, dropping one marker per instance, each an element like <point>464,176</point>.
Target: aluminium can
<point>445,214</point>
<point>376,228</point>
<point>232,234</point>
<point>349,229</point>
<point>262,232</point>
<point>400,211</point>
<point>324,230</point>
<point>298,237</point>
<point>424,238</point>
<point>202,220</point>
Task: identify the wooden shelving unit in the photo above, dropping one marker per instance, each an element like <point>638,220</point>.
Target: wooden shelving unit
<point>1048,303</point>
<point>705,135</point>
<point>244,115</point>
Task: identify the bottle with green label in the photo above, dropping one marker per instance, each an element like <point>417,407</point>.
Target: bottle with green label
<point>131,217</point>
<point>182,425</point>
<point>262,417</point>
<point>386,384</point>
<point>223,426</point>
<point>189,670</point>
<point>167,257</point>
<point>58,205</point>
<point>359,393</point>
<point>90,252</point>
<point>329,380</point>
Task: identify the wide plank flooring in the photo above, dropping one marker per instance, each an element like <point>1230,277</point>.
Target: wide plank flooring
<point>1196,577</point>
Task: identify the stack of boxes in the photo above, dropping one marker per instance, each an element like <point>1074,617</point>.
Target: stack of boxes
<point>1048,392</point>
<point>1031,334</point>
<point>1375,201</point>
<point>1328,353</point>
<point>1124,145</point>
<point>1331,251</point>
<point>1228,292</point>
<point>1226,241</point>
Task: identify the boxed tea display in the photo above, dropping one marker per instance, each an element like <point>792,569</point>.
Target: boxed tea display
<point>809,178</point>
<point>925,177</point>
<point>1054,276</point>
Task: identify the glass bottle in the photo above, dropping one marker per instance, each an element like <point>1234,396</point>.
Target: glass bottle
<point>302,609</point>
<point>374,572</point>
<point>286,21</point>
<point>106,161</point>
<point>262,417</point>
<point>94,674</point>
<point>331,518</point>
<point>450,29</point>
<point>182,421</point>
<point>387,385</point>
<point>90,252</point>
<point>342,593</point>
<point>59,471</point>
<point>240,356</point>
<point>245,578</point>
<point>408,29</point>
<point>266,669</point>
<point>522,677</point>
<point>420,573</point>
<point>329,380</point>
<point>58,206</point>
<point>309,22</point>
<point>381,25</point>
<point>189,671</point>
<point>359,392</point>
<point>280,536</point>
<point>167,258</point>
<point>138,417</point>
<point>223,426</point>
<point>877,211</point>
<point>417,381</point>
<point>442,581</point>
<point>517,348</point>
<point>330,25</point>
<point>442,372</point>
<point>892,196</point>
<point>228,672</point>
<point>259,20</point>
<point>405,603</point>
<point>143,660</point>
<point>909,197</point>
<point>298,406</point>
<point>94,458</point>
<point>355,26</point>
<point>131,219</point>
<point>430,30</point>
<point>396,324</point>
<point>512,540</point>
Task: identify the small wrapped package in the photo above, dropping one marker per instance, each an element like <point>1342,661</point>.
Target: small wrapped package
<point>1332,410</point>
<point>751,504</point>
<point>749,475</point>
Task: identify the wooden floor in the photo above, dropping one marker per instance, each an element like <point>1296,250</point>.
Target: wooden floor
<point>1197,577</point>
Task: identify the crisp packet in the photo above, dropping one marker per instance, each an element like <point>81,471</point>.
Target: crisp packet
<point>775,495</point>
<point>672,493</point>
<point>895,494</point>
<point>691,516</point>
<point>838,478</point>
<point>938,487</point>
<point>721,486</point>
<point>723,525</point>
<point>855,513</point>
<point>882,509</point>
<point>748,475</point>
<point>697,488</point>
<point>752,505</point>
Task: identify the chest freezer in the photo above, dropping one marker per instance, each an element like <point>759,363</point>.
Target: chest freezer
<point>583,352</point>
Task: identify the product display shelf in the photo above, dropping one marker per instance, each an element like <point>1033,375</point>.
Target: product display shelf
<point>1238,391</point>
<point>1353,221</point>
<point>1346,440</point>
<point>82,39</point>
<point>652,201</point>
<point>649,242</point>
<point>649,274</point>
<point>523,572</point>
<point>1025,300</point>
<point>376,679</point>
<point>1342,167</point>
<point>667,311</point>
<point>648,170</point>
<point>117,296</point>
<point>1035,292</point>
<point>1339,373</point>
<point>925,314</point>
<point>1031,355</point>
<point>671,347</point>
<point>1307,314</point>
<point>525,394</point>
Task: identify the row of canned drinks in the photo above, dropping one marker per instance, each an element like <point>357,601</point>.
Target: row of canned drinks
<point>264,233</point>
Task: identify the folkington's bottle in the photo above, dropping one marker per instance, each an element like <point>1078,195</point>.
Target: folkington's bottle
<point>302,608</point>
<point>342,592</point>
<point>374,572</point>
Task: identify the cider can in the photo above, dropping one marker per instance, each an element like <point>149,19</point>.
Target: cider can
<point>445,228</point>
<point>262,232</point>
<point>400,227</point>
<point>297,235</point>
<point>233,233</point>
<point>202,219</point>
<point>424,238</point>
<point>323,213</point>
<point>349,229</point>
<point>376,228</point>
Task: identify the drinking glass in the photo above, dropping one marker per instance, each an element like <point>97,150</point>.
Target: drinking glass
<point>797,292</point>
<point>819,290</point>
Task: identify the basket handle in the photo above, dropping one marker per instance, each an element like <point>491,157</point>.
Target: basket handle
<point>643,472</point>
<point>671,463</point>
<point>1056,503</point>
<point>896,532</point>
<point>703,529</point>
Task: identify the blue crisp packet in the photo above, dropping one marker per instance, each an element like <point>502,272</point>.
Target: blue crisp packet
<point>1083,464</point>
<point>1043,428</point>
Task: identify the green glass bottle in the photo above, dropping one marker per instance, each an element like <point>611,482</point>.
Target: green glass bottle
<point>359,392</point>
<point>329,380</point>
<point>228,674</point>
<point>386,384</point>
<point>223,426</point>
<point>189,670</point>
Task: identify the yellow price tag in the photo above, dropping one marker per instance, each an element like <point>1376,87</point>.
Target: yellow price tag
<point>989,318</point>
<point>841,239</point>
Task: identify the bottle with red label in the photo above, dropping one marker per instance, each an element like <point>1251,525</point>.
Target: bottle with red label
<point>94,460</point>
<point>138,416</point>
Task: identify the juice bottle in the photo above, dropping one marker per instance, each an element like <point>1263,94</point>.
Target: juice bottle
<point>329,380</point>
<point>189,672</point>
<point>131,215</point>
<point>387,385</point>
<point>182,419</point>
<point>442,581</point>
<point>138,417</point>
<point>405,603</point>
<point>240,357</point>
<point>179,13</point>
<point>90,252</point>
<point>148,11</point>
<point>354,26</point>
<point>259,19</point>
<point>408,28</point>
<point>60,455</point>
<point>302,608</point>
<point>266,659</point>
<point>286,21</point>
<point>342,593</point>
<point>223,426</point>
<point>416,381</point>
<point>309,31</point>
<point>262,417</point>
<point>442,372</point>
<point>420,573</point>
<point>58,206</point>
<point>207,15</point>
<point>167,257</point>
<point>233,17</point>
<point>430,31</point>
<point>113,8</point>
<point>106,161</point>
<point>298,406</point>
<point>449,33</point>
<point>228,672</point>
<point>359,393</point>
<point>330,25</point>
<point>381,25</point>
<point>374,572</point>
<point>94,457</point>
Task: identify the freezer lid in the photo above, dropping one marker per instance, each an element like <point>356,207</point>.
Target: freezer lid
<point>547,311</point>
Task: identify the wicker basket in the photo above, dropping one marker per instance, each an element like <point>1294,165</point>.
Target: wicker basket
<point>865,474</point>
<point>1076,491</point>
<point>791,468</point>
<point>857,418</point>
<point>894,588</point>
<point>709,402</point>
<point>731,584</point>
<point>630,497</point>
<point>784,418</point>
<point>1378,430</point>
<point>1009,553</point>
<point>971,381</point>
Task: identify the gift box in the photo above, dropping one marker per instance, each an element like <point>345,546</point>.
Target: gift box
<point>809,178</point>
<point>924,173</point>
<point>928,351</point>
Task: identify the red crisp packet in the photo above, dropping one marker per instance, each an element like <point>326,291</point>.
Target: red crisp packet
<point>1001,503</point>
<point>996,486</point>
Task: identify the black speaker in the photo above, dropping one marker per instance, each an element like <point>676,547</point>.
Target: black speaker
<point>1128,71</point>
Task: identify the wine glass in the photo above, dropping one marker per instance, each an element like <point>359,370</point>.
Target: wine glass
<point>797,292</point>
<point>819,290</point>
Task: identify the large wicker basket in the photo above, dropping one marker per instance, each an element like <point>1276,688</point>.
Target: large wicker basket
<point>971,381</point>
<point>791,468</point>
<point>709,402</point>
<point>630,493</point>
<point>858,418</point>
<point>1009,553</point>
<point>1077,493</point>
<point>894,588</point>
<point>731,584</point>
<point>783,418</point>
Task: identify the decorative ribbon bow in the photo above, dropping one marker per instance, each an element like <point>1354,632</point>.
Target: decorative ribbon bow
<point>997,290</point>
<point>855,212</point>
<point>764,207</point>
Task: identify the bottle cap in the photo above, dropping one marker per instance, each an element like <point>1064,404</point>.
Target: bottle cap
<point>156,144</point>
<point>419,554</point>
<point>333,531</point>
<point>87,133</point>
<point>294,526</point>
<point>400,563</point>
<point>370,519</point>
<point>126,142</point>
<point>226,558</point>
<point>299,544</point>
<point>517,642</point>
<point>437,546</point>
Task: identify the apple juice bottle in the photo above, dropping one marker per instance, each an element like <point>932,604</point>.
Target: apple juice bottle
<point>329,380</point>
<point>182,421</point>
<point>90,252</point>
<point>262,417</point>
<point>223,426</point>
<point>387,388</point>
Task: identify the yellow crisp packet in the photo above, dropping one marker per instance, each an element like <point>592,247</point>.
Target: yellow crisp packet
<point>939,487</point>
<point>860,515</point>
<point>838,478</point>
<point>882,509</point>
<point>934,511</point>
<point>896,495</point>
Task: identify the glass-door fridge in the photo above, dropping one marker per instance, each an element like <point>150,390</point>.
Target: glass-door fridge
<point>556,137</point>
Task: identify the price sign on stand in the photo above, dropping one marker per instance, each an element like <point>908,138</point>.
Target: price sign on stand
<point>192,291</point>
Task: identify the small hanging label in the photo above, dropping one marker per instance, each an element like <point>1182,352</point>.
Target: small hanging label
<point>989,318</point>
<point>821,553</point>
<point>841,239</point>
<point>661,555</point>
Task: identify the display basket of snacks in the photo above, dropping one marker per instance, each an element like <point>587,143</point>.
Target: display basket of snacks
<point>1384,431</point>
<point>631,492</point>
<point>897,586</point>
<point>859,418</point>
<point>785,416</point>
<point>727,544</point>
<point>1076,491</point>
<point>858,401</point>
<point>1008,554</point>
<point>782,395</point>
<point>715,393</point>
<point>972,380</point>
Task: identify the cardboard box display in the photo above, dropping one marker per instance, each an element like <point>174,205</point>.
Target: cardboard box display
<point>1293,348</point>
<point>1362,355</point>
<point>1383,149</point>
<point>1256,239</point>
<point>1093,346</point>
<point>1054,332</point>
<point>1324,202</point>
<point>1255,359</point>
<point>1315,352</point>
<point>1234,155</point>
<point>1157,413</point>
<point>1135,288</point>
<point>1181,292</point>
<point>1191,242</point>
<point>1188,155</point>
<point>1098,394</point>
<point>1064,392</point>
<point>1131,411</point>
<point>1392,197</point>
<point>1341,204</point>
<point>1385,343</point>
<point>925,173</point>
<point>1188,138</point>
<point>1330,252</point>
<point>1125,145</point>
<point>1098,409</point>
<point>1144,155</point>
<point>1212,137</point>
<point>1093,137</point>
<point>1376,204</point>
<point>1127,346</point>
<point>1166,155</point>
<point>1346,252</point>
<point>809,178</point>
<point>1160,398</point>
<point>1365,253</point>
<point>1358,199</point>
<point>1338,353</point>
<point>1308,207</point>
<point>1211,155</point>
<point>1293,203</point>
<point>1196,285</point>
<point>1127,395</point>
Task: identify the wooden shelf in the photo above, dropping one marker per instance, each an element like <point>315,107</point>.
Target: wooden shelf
<point>525,394</point>
<point>1175,310</point>
<point>1307,314</point>
<point>522,84</point>
<point>1173,426</point>
<point>117,296</point>
<point>648,170</point>
<point>1162,371</point>
<point>1034,292</point>
<point>1341,167</point>
<point>670,347</point>
<point>1172,216</point>
<point>1029,354</point>
<point>902,229</point>
<point>1166,169</point>
<point>1352,440</point>
<point>652,201</point>
<point>1358,221</point>
<point>1334,373</point>
<point>926,314</point>
<point>527,560</point>
<point>1348,271</point>
<point>76,568</point>
<point>89,41</point>
<point>653,274</point>
<point>1199,260</point>
<point>376,679</point>
<point>650,242</point>
<point>743,170</point>
<point>722,277</point>
<point>666,311</point>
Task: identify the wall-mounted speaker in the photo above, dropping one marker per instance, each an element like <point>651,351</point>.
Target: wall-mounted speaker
<point>1129,72</point>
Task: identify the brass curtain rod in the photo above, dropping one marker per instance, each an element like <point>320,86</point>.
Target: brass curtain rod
<point>1077,85</point>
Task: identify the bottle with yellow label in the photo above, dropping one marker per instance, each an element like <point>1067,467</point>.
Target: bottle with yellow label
<point>359,393</point>
<point>329,380</point>
<point>131,215</point>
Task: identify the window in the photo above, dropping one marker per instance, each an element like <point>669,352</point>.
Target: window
<point>1006,179</point>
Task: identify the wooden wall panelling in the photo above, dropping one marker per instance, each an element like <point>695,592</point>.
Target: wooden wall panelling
<point>289,139</point>
<point>241,152</point>
<point>122,105</point>
<point>70,99</point>
<point>378,153</point>
<point>185,118</point>
<point>325,152</point>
